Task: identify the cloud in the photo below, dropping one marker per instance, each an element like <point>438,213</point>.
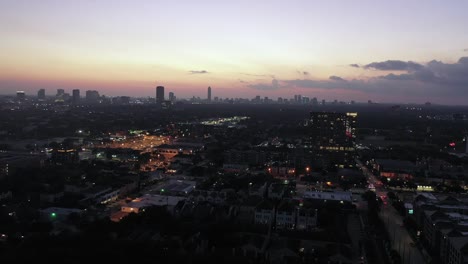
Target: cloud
<point>259,75</point>
<point>336,78</point>
<point>463,60</point>
<point>198,72</point>
<point>435,81</point>
<point>354,65</point>
<point>465,50</point>
<point>394,65</point>
<point>397,77</point>
<point>266,87</point>
<point>305,73</point>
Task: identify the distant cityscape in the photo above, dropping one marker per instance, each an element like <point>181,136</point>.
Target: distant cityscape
<point>234,132</point>
<point>94,97</point>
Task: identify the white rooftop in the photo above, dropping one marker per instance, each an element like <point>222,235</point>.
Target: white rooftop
<point>154,200</point>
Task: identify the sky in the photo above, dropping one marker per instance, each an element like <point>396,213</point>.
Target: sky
<point>405,51</point>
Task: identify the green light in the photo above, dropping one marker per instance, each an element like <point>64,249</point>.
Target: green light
<point>162,190</point>
<point>53,215</point>
<point>410,211</point>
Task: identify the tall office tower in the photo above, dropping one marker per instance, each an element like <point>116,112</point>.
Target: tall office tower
<point>76,96</point>
<point>60,92</point>
<point>20,95</point>
<point>333,136</point>
<point>92,97</point>
<point>209,93</point>
<point>314,101</point>
<point>41,94</point>
<point>160,94</point>
<point>171,97</point>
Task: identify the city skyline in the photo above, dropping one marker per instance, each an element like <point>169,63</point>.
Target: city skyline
<point>384,52</point>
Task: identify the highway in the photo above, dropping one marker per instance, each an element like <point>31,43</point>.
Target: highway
<point>400,239</point>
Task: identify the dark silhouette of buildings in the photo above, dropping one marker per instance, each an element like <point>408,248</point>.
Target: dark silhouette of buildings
<point>60,92</point>
<point>76,96</point>
<point>159,94</point>
<point>92,97</point>
<point>209,93</point>
<point>41,94</point>
<point>20,95</point>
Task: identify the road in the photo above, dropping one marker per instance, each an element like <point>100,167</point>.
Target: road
<point>399,237</point>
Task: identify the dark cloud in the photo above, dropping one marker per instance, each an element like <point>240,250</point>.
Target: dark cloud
<point>305,73</point>
<point>307,83</point>
<point>463,60</point>
<point>465,50</point>
<point>354,65</point>
<point>394,65</point>
<point>397,77</point>
<point>444,82</point>
<point>198,72</point>
<point>336,78</point>
<point>266,87</point>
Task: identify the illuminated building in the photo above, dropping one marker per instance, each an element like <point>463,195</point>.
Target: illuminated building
<point>62,156</point>
<point>333,136</point>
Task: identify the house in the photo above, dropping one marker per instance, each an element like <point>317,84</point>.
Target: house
<point>247,209</point>
<point>264,212</point>
<point>286,214</point>
<point>395,169</point>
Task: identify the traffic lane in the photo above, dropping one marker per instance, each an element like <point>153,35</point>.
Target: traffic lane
<point>402,241</point>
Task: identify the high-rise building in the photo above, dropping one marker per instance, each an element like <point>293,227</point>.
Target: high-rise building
<point>92,97</point>
<point>209,93</point>
<point>314,101</point>
<point>41,94</point>
<point>333,136</point>
<point>60,92</point>
<point>160,94</point>
<point>76,96</point>
<point>20,95</point>
<point>171,97</point>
